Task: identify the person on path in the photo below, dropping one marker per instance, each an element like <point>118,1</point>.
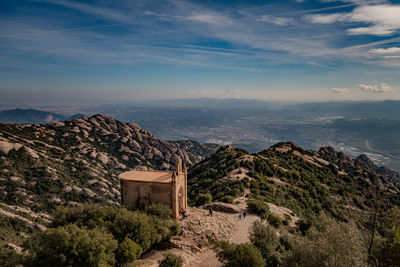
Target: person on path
<point>211,212</point>
<point>244,214</point>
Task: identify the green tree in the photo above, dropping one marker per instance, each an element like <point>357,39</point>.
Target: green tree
<point>127,251</point>
<point>171,260</point>
<point>72,246</point>
<point>274,220</point>
<point>203,199</point>
<point>265,239</point>
<point>328,243</point>
<point>242,255</point>
<point>256,206</point>
<point>159,210</point>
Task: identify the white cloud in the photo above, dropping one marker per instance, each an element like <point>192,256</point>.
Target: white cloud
<point>214,93</point>
<point>388,53</point>
<point>359,2</point>
<point>382,19</point>
<point>325,19</point>
<point>376,88</point>
<point>340,90</point>
<point>280,21</point>
<point>103,12</point>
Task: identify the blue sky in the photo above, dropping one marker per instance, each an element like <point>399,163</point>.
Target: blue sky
<point>142,49</point>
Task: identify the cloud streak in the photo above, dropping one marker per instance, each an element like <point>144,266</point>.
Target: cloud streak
<point>382,19</point>
<point>376,88</point>
<point>340,90</point>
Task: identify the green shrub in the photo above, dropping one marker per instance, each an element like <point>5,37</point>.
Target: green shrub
<point>287,219</point>
<point>242,255</point>
<point>171,260</point>
<point>142,229</point>
<point>328,243</point>
<point>128,251</point>
<point>227,199</point>
<point>72,246</point>
<point>203,199</point>
<point>274,220</point>
<point>159,210</point>
<point>257,206</point>
<point>265,239</point>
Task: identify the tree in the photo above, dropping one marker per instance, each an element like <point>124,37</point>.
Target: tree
<point>387,251</point>
<point>171,260</point>
<point>328,243</point>
<point>127,251</point>
<point>265,239</point>
<point>72,246</point>
<point>257,206</point>
<point>242,255</point>
<point>203,199</point>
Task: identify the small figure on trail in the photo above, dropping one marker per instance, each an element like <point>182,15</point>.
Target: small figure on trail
<point>180,212</point>
<point>182,231</point>
<point>244,214</point>
<point>261,214</point>
<point>184,213</point>
<point>240,216</point>
<point>211,212</point>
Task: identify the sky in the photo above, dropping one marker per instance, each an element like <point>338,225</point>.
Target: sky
<point>133,50</point>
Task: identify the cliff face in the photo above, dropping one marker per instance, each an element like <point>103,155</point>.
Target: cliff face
<point>64,163</point>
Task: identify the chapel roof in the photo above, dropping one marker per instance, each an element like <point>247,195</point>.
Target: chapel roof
<point>147,176</point>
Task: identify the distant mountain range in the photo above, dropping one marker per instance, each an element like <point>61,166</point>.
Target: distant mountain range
<point>25,116</point>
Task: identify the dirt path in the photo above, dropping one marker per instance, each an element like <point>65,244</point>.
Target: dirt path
<point>243,228</point>
<point>193,245</point>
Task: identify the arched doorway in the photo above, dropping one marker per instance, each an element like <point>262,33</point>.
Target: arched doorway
<point>180,198</point>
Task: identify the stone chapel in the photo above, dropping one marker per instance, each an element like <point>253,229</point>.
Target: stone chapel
<point>142,188</point>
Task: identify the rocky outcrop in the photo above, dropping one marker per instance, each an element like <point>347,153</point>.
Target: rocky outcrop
<point>363,161</point>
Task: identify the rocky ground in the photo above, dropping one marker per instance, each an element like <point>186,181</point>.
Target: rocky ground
<point>193,245</point>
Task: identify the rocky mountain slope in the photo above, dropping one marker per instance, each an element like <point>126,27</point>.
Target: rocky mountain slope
<point>65,163</point>
<point>307,182</point>
<point>364,162</point>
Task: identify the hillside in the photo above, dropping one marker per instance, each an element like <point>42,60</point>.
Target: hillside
<point>23,116</point>
<point>76,161</point>
<point>306,182</point>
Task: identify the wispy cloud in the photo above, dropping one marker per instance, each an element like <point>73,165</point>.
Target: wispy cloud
<point>390,52</point>
<point>340,90</point>
<point>102,12</point>
<point>382,19</point>
<point>280,21</point>
<point>376,88</point>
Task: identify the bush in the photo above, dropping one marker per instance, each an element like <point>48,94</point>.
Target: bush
<point>171,260</point>
<point>287,219</point>
<point>242,255</point>
<point>203,199</point>
<point>227,199</point>
<point>129,228</point>
<point>72,246</point>
<point>128,251</point>
<point>159,210</point>
<point>265,239</point>
<point>257,206</point>
<point>328,243</point>
<point>274,220</point>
